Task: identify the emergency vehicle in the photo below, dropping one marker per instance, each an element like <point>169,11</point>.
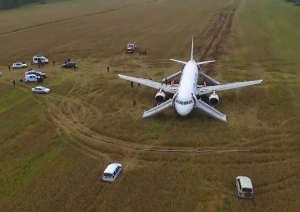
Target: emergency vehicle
<point>131,47</point>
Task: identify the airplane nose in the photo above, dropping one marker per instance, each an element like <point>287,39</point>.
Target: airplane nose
<point>183,110</point>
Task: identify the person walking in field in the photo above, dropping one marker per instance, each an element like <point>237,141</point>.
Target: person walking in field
<point>14,83</point>
<point>107,68</point>
<point>8,67</point>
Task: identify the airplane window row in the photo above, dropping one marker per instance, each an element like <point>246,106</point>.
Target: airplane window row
<point>184,103</point>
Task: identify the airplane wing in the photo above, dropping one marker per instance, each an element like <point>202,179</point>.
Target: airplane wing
<point>210,110</point>
<point>215,82</point>
<point>150,83</point>
<point>209,89</point>
<point>157,109</point>
<point>173,75</point>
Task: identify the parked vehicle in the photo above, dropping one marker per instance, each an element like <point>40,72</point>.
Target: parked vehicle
<point>38,73</point>
<point>244,187</point>
<point>131,47</point>
<point>39,59</point>
<point>19,65</point>
<point>69,65</point>
<point>111,172</point>
<point>32,78</point>
<point>41,90</point>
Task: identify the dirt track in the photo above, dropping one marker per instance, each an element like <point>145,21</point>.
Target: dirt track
<point>215,34</point>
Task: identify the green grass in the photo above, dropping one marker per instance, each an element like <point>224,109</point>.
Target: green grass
<point>11,98</point>
<point>53,148</point>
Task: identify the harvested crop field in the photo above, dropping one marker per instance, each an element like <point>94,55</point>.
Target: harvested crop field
<point>54,148</point>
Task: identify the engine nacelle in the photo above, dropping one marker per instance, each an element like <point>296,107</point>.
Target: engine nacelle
<point>160,97</point>
<point>213,99</point>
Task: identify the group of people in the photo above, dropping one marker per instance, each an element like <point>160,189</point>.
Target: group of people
<point>143,52</point>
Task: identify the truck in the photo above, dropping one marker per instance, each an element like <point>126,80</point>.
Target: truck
<point>131,47</point>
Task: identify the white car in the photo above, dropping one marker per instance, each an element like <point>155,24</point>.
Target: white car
<point>41,58</point>
<point>19,65</point>
<point>40,89</point>
<point>244,187</point>
<point>38,73</point>
<point>111,172</point>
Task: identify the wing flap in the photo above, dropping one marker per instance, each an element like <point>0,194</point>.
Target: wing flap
<point>157,109</point>
<point>215,82</point>
<point>209,89</point>
<point>210,110</point>
<point>147,82</point>
<point>172,76</point>
<point>150,83</point>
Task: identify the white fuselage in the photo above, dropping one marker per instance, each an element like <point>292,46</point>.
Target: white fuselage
<point>184,101</point>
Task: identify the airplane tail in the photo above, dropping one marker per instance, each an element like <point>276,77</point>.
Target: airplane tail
<point>192,49</point>
<point>192,57</point>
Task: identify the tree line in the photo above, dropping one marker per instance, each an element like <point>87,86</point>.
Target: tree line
<point>297,2</point>
<point>10,4</point>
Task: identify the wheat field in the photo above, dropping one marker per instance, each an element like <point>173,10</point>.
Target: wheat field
<point>54,148</point>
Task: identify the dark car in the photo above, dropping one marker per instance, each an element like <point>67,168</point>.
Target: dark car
<point>69,65</point>
<point>38,73</point>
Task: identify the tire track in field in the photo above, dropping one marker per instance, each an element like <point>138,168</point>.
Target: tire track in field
<point>75,117</point>
<point>96,144</point>
<point>65,19</point>
<point>214,35</point>
<point>281,184</point>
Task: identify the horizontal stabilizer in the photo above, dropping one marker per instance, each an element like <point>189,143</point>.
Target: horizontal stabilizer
<point>179,61</point>
<point>210,110</point>
<point>157,109</point>
<point>205,62</point>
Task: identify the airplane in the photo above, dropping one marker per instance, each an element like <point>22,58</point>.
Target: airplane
<point>187,94</point>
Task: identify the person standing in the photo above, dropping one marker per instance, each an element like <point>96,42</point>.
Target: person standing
<point>14,83</point>
<point>8,67</point>
<point>107,68</point>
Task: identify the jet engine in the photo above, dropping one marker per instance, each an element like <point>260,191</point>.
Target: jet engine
<point>213,99</point>
<point>160,97</point>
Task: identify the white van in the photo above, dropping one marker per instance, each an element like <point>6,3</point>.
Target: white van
<point>40,57</point>
<point>244,187</point>
<point>32,78</point>
<point>111,172</point>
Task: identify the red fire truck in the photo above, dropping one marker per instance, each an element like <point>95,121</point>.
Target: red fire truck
<point>131,47</point>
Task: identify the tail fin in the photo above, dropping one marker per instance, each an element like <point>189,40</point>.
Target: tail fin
<point>192,53</point>
<point>192,57</point>
<point>192,49</point>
